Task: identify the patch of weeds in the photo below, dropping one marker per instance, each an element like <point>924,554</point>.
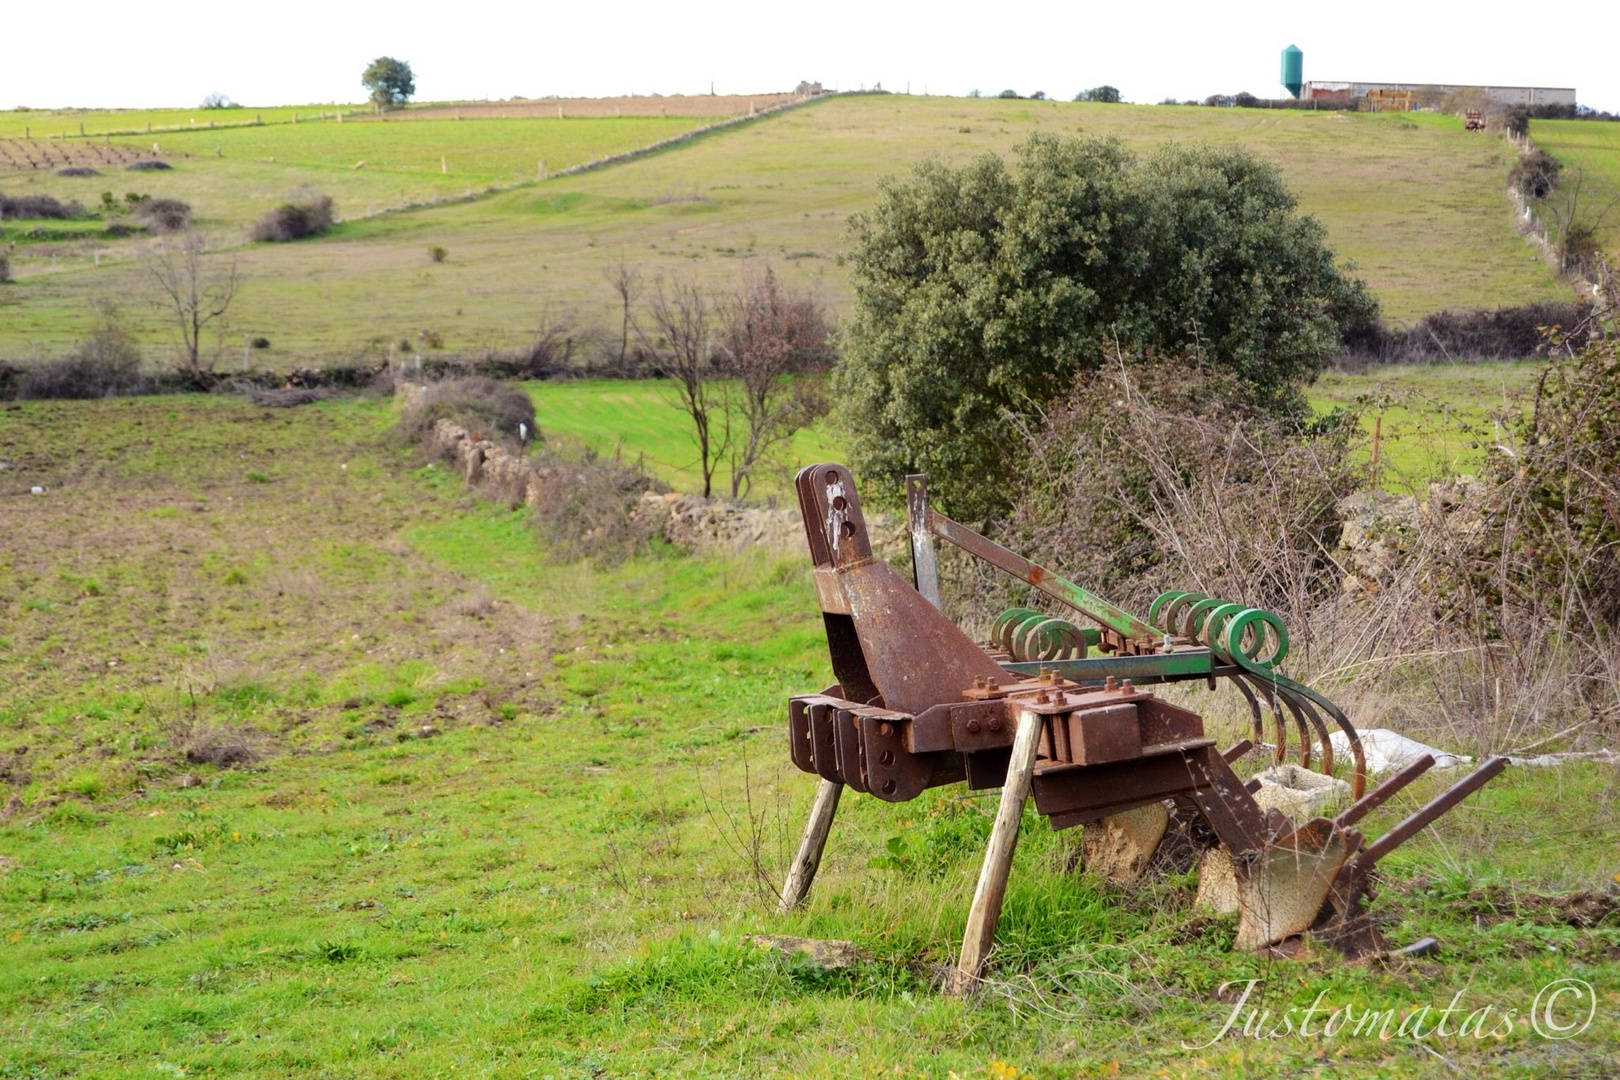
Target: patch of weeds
<point>236,576</point>
<point>221,746</point>
<point>335,952</point>
<point>73,815</point>
<point>394,777</point>
<point>145,941</point>
<point>953,828</point>
<point>78,922</point>
<point>246,696</point>
<point>258,478</point>
<point>688,973</point>
<point>88,783</point>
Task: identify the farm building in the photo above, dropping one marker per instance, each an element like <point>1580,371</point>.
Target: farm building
<point>1383,96</point>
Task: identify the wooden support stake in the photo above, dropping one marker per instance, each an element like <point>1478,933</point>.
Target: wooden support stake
<point>808,860</point>
<point>992,888</point>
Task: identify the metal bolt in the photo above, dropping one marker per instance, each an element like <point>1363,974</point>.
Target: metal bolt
<point>1127,688</point>
<point>887,729</point>
<point>1109,683</point>
<point>978,682</point>
<point>1043,698</point>
<point>973,727</point>
<point>995,723</point>
<point>991,684</point>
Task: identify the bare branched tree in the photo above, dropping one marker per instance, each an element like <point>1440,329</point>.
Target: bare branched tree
<point>776,344</point>
<point>1576,227</point>
<point>682,325</point>
<point>626,281</point>
<point>195,294</point>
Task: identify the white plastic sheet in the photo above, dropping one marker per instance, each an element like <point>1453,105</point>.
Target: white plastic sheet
<point>1388,750</point>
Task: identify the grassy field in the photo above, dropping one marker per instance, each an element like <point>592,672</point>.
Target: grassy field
<point>503,819</point>
<point>1436,421</point>
<point>1592,149</point>
<point>1417,203</point>
<point>100,123</point>
<point>642,422</point>
<point>233,175</point>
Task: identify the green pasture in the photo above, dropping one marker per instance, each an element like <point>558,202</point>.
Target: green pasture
<point>101,123</point>
<point>1591,152</point>
<point>1432,421</point>
<point>1416,203</point>
<point>231,176</point>
<point>642,422</point>
<point>516,818</point>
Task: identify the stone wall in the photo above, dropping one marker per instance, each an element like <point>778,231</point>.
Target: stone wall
<point>691,522</point>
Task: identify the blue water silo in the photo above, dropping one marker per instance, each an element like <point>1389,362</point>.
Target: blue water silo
<point>1293,69</point>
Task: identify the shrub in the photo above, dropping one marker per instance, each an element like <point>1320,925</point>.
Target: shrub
<point>489,409</point>
<point>981,292</point>
<point>1170,475</point>
<point>295,221</point>
<point>164,215</point>
<point>437,253</point>
<point>149,165</point>
<point>1511,333</point>
<point>1535,175</point>
<point>77,170</point>
<point>1008,94</point>
<point>260,343</point>
<point>1105,94</point>
<point>1558,513</point>
<point>553,350</point>
<point>224,747</point>
<point>5,267</point>
<point>107,363</point>
<point>39,207</point>
<point>592,508</point>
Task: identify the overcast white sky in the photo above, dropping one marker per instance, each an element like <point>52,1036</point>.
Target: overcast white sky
<point>172,52</point>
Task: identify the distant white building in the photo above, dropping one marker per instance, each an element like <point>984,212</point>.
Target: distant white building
<point>1430,93</point>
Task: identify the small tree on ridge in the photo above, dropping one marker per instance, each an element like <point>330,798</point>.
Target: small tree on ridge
<point>390,82</point>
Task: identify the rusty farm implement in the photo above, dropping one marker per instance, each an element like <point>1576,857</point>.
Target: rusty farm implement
<point>1059,710</point>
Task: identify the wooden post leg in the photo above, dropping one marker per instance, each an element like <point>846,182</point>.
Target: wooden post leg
<point>992,888</point>
<point>805,863</point>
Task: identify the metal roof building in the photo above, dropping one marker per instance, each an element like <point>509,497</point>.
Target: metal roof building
<point>1328,90</point>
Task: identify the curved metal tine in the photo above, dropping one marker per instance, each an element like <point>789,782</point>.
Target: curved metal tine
<point>1303,704</point>
<point>1358,784</point>
<point>1259,721</point>
<point>1279,724</point>
<point>1278,694</point>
